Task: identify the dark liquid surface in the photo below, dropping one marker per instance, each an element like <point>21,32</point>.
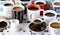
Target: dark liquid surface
<point>55,25</point>
<point>40,3</point>
<point>3,24</point>
<point>57,3</point>
<point>7,4</point>
<point>50,14</point>
<point>38,21</point>
<point>33,8</point>
<point>37,27</point>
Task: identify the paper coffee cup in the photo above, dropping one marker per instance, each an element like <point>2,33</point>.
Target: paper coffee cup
<point>49,15</point>
<point>54,27</point>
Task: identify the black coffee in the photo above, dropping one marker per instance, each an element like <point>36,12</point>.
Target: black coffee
<point>40,3</point>
<point>7,4</point>
<point>38,21</point>
<point>50,14</point>
<point>33,8</point>
<point>3,24</point>
<point>37,27</point>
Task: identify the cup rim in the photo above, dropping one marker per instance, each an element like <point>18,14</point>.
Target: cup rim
<point>55,5</point>
<point>53,22</point>
<point>40,1</point>
<point>50,11</point>
<point>19,6</point>
<point>8,2</point>
<point>14,20</point>
<point>34,5</point>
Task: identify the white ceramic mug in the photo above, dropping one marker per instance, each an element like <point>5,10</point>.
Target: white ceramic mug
<point>33,14</point>
<point>54,31</point>
<point>48,19</point>
<point>14,25</point>
<point>8,10</point>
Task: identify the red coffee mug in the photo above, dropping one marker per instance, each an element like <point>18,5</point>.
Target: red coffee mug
<point>43,5</point>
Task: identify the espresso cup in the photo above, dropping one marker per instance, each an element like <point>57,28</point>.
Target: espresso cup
<point>43,5</point>
<point>56,7</point>
<point>54,27</point>
<point>7,8</point>
<point>49,15</point>
<point>38,26</point>
<point>3,23</point>
<point>14,25</point>
<point>33,12</point>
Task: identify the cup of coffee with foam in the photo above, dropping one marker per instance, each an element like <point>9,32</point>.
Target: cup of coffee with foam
<point>54,27</point>
<point>49,15</point>
<point>33,11</point>
<point>37,26</point>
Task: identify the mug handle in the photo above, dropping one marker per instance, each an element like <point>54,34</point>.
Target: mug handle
<point>47,6</point>
<point>41,12</point>
<point>31,16</point>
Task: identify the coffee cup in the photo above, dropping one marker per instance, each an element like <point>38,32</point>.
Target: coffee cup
<point>7,8</point>
<point>49,15</point>
<point>33,11</point>
<point>56,7</point>
<point>18,13</point>
<point>54,27</point>
<point>43,5</point>
<point>14,25</point>
<point>38,26</point>
<point>3,23</point>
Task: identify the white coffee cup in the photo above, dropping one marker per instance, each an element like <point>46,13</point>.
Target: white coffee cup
<point>8,9</point>
<point>48,19</point>
<point>14,25</point>
<point>33,14</point>
<point>54,31</point>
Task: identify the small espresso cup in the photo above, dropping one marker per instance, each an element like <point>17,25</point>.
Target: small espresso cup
<point>49,15</point>
<point>33,11</point>
<point>14,25</point>
<point>43,5</point>
<point>4,23</point>
<point>54,27</point>
<point>38,26</point>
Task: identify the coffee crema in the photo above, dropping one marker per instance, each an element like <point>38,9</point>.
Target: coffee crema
<point>40,3</point>
<point>17,8</point>
<point>7,4</point>
<point>55,25</point>
<point>37,27</point>
<point>57,3</point>
<point>50,14</point>
<point>3,24</point>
